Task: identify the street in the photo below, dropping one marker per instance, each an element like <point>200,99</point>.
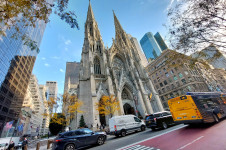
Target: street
<point>202,137</point>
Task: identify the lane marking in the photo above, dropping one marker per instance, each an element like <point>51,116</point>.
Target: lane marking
<point>151,138</point>
<point>190,143</point>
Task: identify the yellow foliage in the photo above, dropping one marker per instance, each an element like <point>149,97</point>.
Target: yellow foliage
<point>108,105</point>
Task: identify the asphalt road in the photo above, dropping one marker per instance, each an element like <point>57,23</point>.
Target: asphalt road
<point>199,137</point>
<point>113,142</point>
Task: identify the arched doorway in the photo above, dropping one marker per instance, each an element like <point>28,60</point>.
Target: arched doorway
<point>128,109</point>
<point>102,118</point>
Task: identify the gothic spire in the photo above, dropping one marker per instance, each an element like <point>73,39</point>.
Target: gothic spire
<point>90,15</point>
<point>118,27</point>
<point>120,34</point>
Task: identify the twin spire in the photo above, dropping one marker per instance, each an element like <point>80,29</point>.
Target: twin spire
<point>118,28</point>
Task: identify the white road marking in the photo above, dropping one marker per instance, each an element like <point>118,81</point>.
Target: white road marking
<point>190,143</point>
<point>139,147</point>
<point>152,137</point>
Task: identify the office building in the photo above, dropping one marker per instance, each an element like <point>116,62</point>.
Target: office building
<point>16,61</point>
<point>152,45</point>
<point>174,76</point>
<point>52,92</point>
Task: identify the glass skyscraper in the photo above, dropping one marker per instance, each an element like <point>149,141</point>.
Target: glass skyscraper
<point>17,62</point>
<point>152,45</point>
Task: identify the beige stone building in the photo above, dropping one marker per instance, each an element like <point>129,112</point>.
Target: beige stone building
<point>38,106</point>
<point>220,77</point>
<point>115,71</point>
<point>46,118</point>
<point>173,76</point>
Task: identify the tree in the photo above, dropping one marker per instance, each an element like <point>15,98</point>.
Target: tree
<point>71,106</point>
<point>108,105</point>
<point>19,14</point>
<point>195,24</point>
<point>82,122</point>
<point>57,123</point>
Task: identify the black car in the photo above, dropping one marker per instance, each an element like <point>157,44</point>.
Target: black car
<point>159,120</point>
<point>78,139</point>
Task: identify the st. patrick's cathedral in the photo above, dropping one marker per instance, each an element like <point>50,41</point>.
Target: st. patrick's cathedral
<point>113,71</point>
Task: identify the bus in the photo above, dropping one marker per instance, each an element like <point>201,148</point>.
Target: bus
<point>198,107</point>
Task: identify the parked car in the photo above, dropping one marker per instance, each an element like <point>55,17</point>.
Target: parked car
<point>159,120</point>
<point>78,139</point>
<point>120,125</point>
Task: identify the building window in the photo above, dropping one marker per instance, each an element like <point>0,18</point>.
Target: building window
<point>157,86</point>
<point>180,75</point>
<point>175,77</point>
<point>159,92</point>
<point>178,84</point>
<point>168,88</point>
<point>172,72</point>
<point>170,80</point>
<point>172,86</point>
<point>189,79</point>
<point>163,90</point>
<point>186,72</point>
<point>167,74</point>
<point>164,69</point>
<point>161,85</point>
<point>183,81</point>
<point>97,69</point>
<point>165,82</point>
<point>189,88</point>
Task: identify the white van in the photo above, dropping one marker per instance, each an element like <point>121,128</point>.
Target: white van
<point>120,125</point>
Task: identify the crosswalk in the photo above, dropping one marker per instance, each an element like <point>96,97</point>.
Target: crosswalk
<point>140,147</point>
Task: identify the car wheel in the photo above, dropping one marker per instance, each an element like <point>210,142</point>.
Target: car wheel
<point>142,128</point>
<point>123,133</point>
<point>215,118</point>
<point>164,125</point>
<point>70,147</point>
<point>100,140</point>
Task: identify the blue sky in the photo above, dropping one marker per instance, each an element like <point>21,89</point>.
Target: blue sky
<point>61,44</point>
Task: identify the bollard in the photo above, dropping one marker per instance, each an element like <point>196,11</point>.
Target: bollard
<point>38,146</point>
<point>49,143</point>
<point>25,147</point>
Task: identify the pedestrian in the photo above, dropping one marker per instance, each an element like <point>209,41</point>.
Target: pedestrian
<point>24,143</point>
<point>103,126</point>
<point>97,126</point>
<point>11,145</point>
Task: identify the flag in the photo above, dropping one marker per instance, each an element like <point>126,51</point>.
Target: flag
<point>20,127</point>
<point>9,125</point>
<point>150,96</point>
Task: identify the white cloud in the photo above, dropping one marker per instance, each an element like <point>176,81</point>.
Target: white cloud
<point>55,57</point>
<point>47,65</point>
<point>67,42</point>
<point>43,58</point>
<point>61,70</point>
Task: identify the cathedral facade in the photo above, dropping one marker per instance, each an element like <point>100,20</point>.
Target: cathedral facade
<point>113,71</point>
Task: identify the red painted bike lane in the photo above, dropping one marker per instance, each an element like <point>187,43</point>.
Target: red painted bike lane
<point>189,138</point>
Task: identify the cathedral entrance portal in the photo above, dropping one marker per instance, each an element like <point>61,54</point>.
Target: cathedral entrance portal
<point>128,109</point>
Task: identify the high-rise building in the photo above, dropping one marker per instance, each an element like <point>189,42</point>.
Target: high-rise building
<point>46,115</point>
<point>152,45</point>
<point>71,81</point>
<point>213,56</point>
<point>52,92</point>
<point>144,60</point>
<point>38,105</point>
<point>16,61</point>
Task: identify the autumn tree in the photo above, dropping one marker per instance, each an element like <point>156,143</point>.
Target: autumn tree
<point>82,123</point>
<point>71,106</point>
<point>108,105</point>
<point>57,123</point>
<point>18,14</point>
<point>196,24</point>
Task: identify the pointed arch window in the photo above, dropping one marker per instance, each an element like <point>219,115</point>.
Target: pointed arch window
<point>97,69</point>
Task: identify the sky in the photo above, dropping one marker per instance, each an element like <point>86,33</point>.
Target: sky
<point>61,44</point>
